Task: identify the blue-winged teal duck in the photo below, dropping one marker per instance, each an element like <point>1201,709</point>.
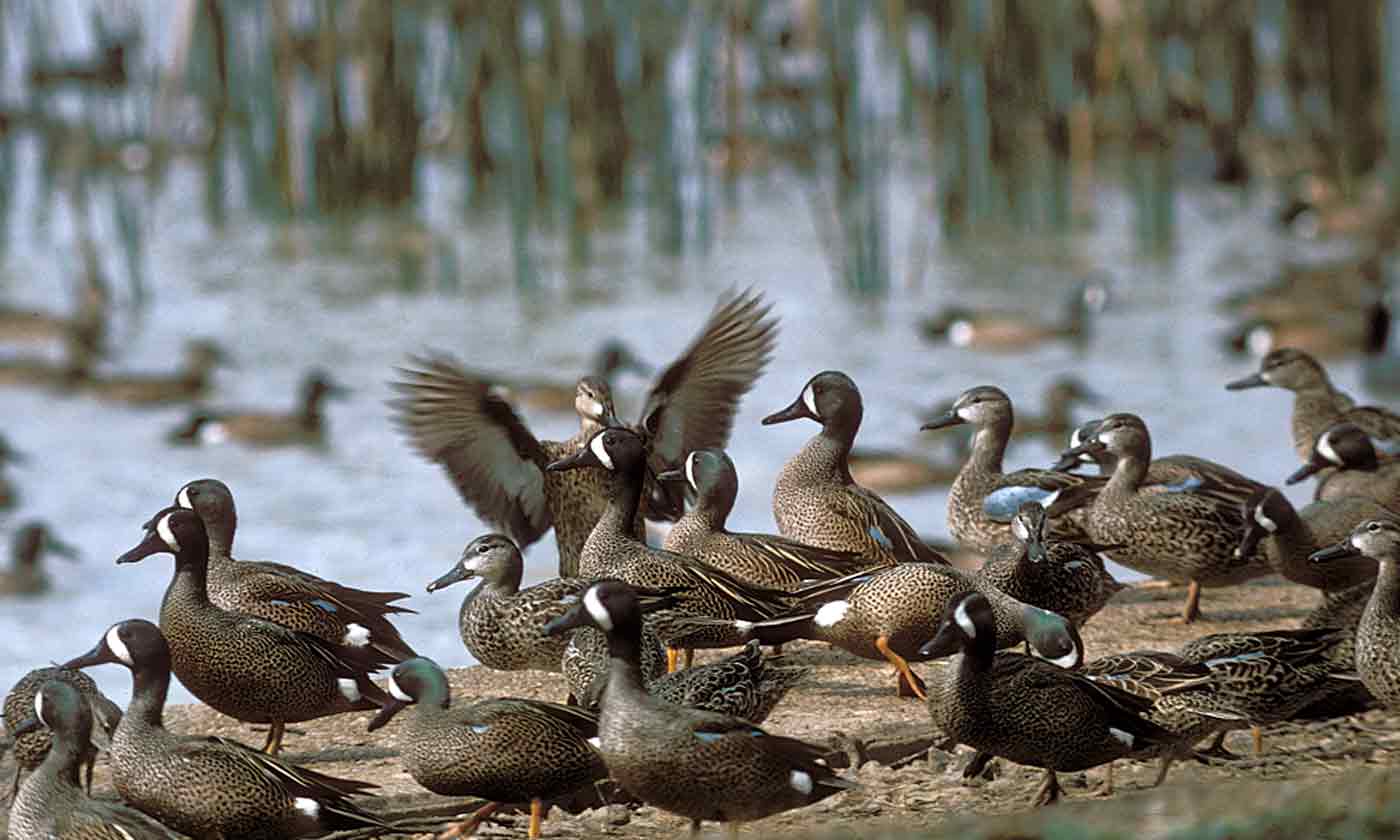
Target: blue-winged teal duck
<point>983,499</point>
<point>1323,334</point>
<point>700,765</point>
<point>1184,537</point>
<point>585,663</point>
<point>88,321</point>
<point>887,613</point>
<point>1289,537</point>
<point>296,599</point>
<point>759,559</point>
<point>613,357</point>
<point>206,786</point>
<point>815,500</point>
<point>1062,576</point>
<point>505,750</point>
<point>305,425</point>
<point>61,374</point>
<point>1346,464</point>
<point>1271,675</point>
<point>31,747</point>
<point>743,685</point>
<point>27,549</point>
<point>1303,290</point>
<point>1378,633</point>
<point>249,668</point>
<point>614,551</point>
<point>51,805</point>
<point>9,493</point>
<point>1027,710</point>
<point>1316,403</point>
<point>191,382</point>
<point>457,419</point>
<point>1009,331</point>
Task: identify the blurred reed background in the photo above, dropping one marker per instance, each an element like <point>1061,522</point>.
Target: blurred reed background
<point>566,111</point>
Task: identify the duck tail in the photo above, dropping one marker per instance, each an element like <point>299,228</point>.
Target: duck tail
<point>779,631</point>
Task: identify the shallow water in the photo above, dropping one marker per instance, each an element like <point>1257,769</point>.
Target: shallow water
<point>370,513</point>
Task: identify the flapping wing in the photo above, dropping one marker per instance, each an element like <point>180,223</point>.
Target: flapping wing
<point>451,417</point>
<point>692,403</point>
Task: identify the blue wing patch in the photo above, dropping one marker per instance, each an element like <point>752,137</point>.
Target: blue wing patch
<point>325,605</point>
<point>278,602</point>
<point>879,537</point>
<point>1001,504</point>
<point>1187,485</point>
<point>479,728</point>
<point>708,737</point>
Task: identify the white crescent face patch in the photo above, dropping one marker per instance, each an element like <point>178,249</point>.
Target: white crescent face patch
<point>595,608</point>
<point>398,693</point>
<point>1264,521</point>
<point>964,620</point>
<point>1327,450</point>
<point>1018,527</point>
<point>118,647</point>
<point>39,707</point>
<point>809,399</point>
<point>690,471</point>
<point>600,451</point>
<point>183,499</point>
<point>164,532</point>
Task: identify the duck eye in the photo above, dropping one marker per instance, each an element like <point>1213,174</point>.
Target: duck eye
<point>1373,527</point>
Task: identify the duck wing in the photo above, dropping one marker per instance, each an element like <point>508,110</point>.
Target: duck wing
<point>885,527</point>
<point>1056,491</point>
<point>485,713</point>
<point>453,418</point>
<point>693,401</point>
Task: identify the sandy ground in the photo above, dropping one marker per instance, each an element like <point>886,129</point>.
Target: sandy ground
<point>928,789</point>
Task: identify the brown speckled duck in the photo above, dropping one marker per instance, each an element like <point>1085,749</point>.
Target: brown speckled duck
<point>26,576</point>
<point>305,425</point>
<point>460,420</point>
<point>191,382</point>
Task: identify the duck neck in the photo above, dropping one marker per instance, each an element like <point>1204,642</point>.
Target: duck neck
<point>1128,473</point>
<point>712,510</point>
<point>220,532</point>
<point>190,584</point>
<point>625,661</point>
<point>825,457</point>
<point>989,446</point>
<point>66,755</point>
<point>625,497</point>
<point>311,411</point>
<point>1386,595</point>
<point>149,686</point>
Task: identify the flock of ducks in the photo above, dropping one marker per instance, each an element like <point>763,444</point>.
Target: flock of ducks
<point>272,644</point>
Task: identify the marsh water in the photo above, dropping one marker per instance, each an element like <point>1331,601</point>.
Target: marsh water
<point>354,299</point>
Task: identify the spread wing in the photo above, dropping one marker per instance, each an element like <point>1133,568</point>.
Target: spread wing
<point>692,403</point>
<point>453,418</point>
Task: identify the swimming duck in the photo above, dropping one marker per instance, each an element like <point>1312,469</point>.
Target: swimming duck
<point>207,786</point>
<point>1304,289</point>
<point>700,765</point>
<point>63,374</point>
<point>815,500</point>
<point>1378,633</point>
<point>613,357</point>
<point>984,499</point>
<point>286,595</point>
<point>25,576</point>
<point>1007,331</point>
<point>887,613</point>
<point>304,426</point>
<point>1061,576</point>
<point>758,559</point>
<point>1289,537</point>
<point>192,381</point>
<point>1346,464</point>
<point>249,668</point>
<point>1321,333</point>
<point>1316,403</point>
<point>1028,710</point>
<point>457,419</point>
<point>30,748</point>
<point>88,322</point>
<point>51,805</point>
<point>1188,537</point>
<point>506,750</point>
<point>9,493</point>
<point>614,551</point>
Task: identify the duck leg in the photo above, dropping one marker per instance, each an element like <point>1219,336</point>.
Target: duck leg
<point>468,827</point>
<point>537,814</point>
<point>1216,750</point>
<point>689,657</point>
<point>909,681</point>
<point>1049,792</point>
<point>1163,767</point>
<point>673,659</point>
<point>274,738</point>
<point>88,766</point>
<point>977,766</point>
<point>1192,610</point>
<point>1107,788</point>
<point>1258,740</point>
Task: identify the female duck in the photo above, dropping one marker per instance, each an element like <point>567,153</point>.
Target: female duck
<point>984,499</point>
<point>191,382</point>
<point>700,765</point>
<point>506,750</point>
<point>815,500</point>
<point>50,805</point>
<point>202,786</point>
<point>26,576</point>
<point>758,559</point>
<point>1378,634</point>
<point>245,667</point>
<point>285,595</point>
<point>1027,710</point>
<point>1184,537</point>
<point>30,748</point>
<point>304,426</point>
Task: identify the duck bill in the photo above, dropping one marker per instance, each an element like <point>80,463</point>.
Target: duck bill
<point>943,645</point>
<point>1254,381</point>
<point>583,458</point>
<point>1249,542</point>
<point>1067,463</point>
<point>1035,550</point>
<point>336,390</point>
<point>1307,470</point>
<point>26,726</point>
<point>949,418</point>
<point>62,549</point>
<point>573,619</point>
<point>1087,448</point>
<point>1340,551</point>
<point>455,575</point>
<point>100,655</point>
<point>386,712</point>
<point>677,474</point>
<point>797,411</point>
<point>152,544</point>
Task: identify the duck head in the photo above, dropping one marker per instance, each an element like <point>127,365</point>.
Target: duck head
<point>1070,462</point>
<point>417,680</point>
<point>593,401</point>
<point>61,708</point>
<point>491,557</point>
<point>711,477</point>
<point>1028,527</point>
<point>133,643</point>
<point>609,605</point>
<point>175,531</point>
<point>968,626</point>
<point>985,405</point>
<point>830,398</point>
<point>35,539</point>
<point>1118,436</point>
<point>1264,512</point>
<point>1378,539</point>
<point>1341,445</point>
<point>615,449</point>
<point>1285,367</point>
